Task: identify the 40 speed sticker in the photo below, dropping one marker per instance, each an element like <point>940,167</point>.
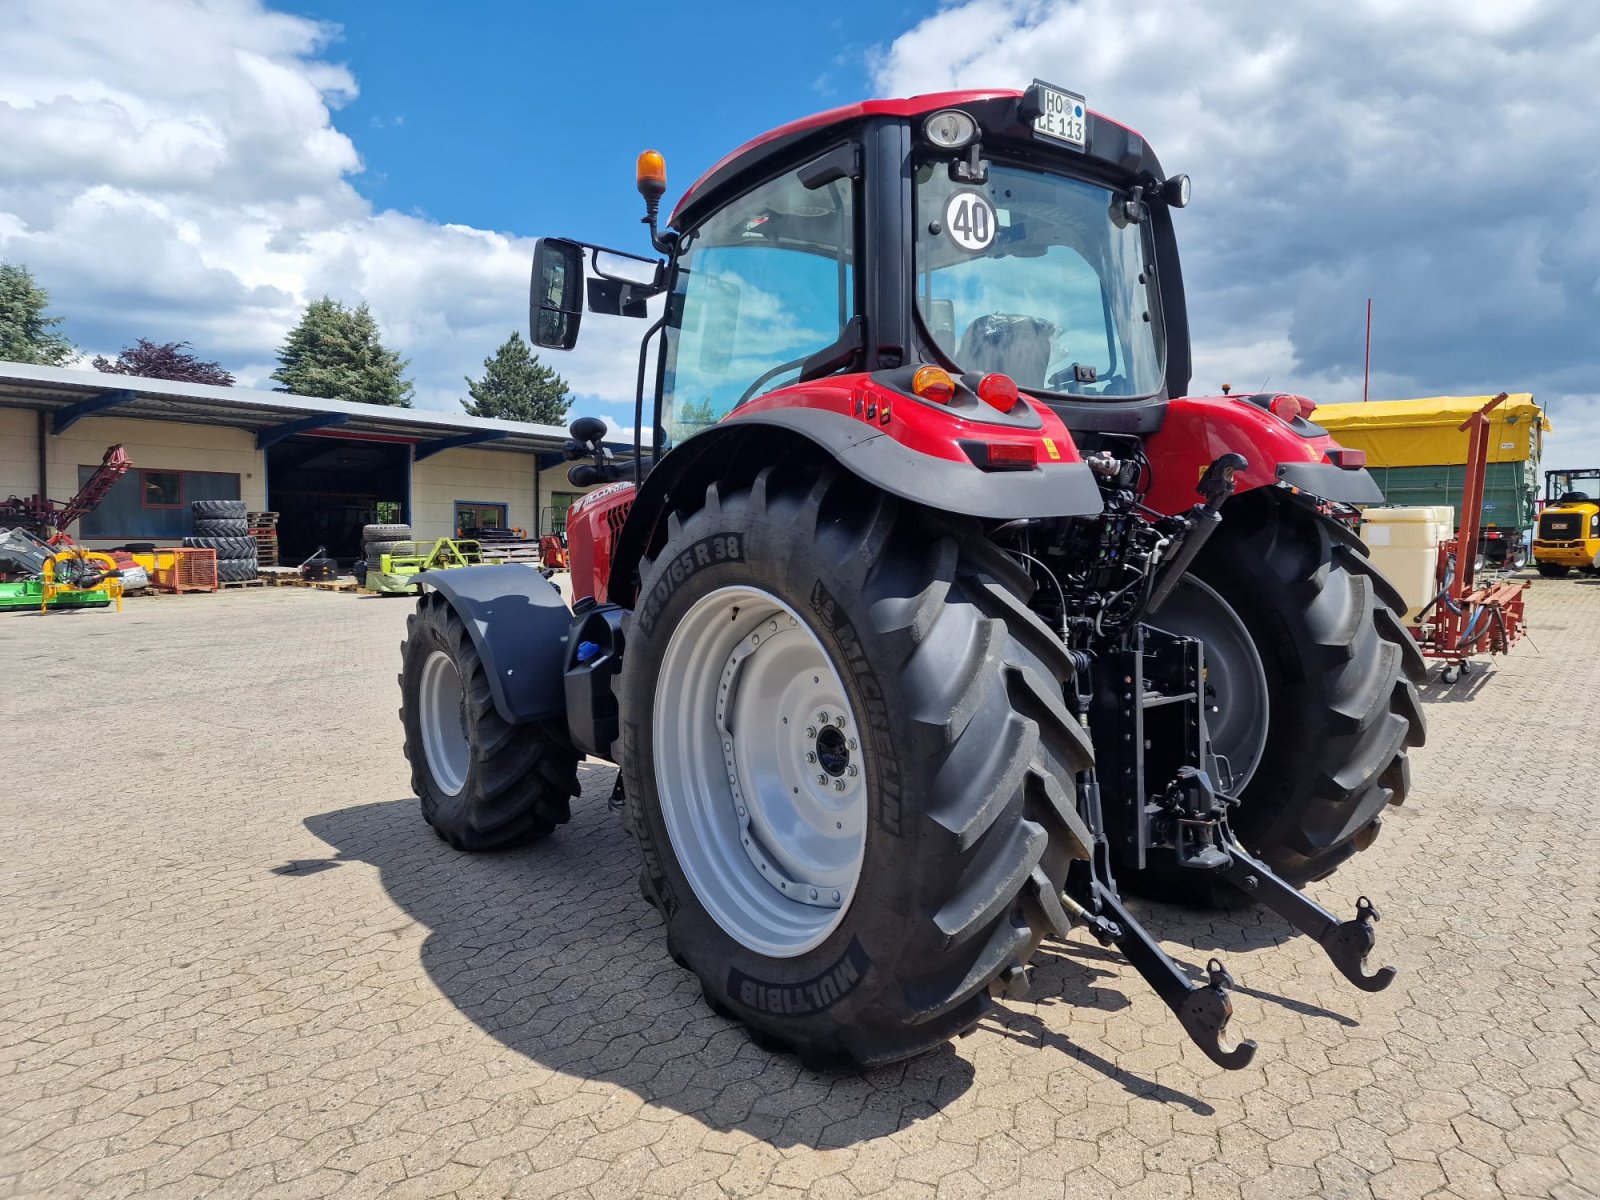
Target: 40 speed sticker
<point>969,221</point>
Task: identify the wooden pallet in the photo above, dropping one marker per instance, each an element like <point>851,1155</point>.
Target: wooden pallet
<point>242,583</point>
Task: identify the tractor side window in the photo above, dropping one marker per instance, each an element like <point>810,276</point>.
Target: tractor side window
<point>760,287</point>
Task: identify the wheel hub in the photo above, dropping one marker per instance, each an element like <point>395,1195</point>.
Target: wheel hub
<point>771,831</point>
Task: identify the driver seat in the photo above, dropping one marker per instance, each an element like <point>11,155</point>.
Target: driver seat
<point>1010,343</point>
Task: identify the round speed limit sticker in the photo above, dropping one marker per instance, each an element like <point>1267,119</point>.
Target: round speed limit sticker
<point>969,220</point>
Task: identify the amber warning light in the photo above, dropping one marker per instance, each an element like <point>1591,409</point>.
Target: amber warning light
<point>652,175</point>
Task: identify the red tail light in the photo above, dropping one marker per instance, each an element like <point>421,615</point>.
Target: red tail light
<point>1002,456</point>
<point>1349,460</point>
<point>998,391</point>
<point>1285,407</point>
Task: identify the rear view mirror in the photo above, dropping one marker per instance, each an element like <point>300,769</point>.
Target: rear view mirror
<point>555,297</point>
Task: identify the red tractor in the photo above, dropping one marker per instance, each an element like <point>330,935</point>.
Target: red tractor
<point>929,613</point>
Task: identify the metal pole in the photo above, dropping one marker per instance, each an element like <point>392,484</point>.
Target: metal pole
<point>1366,375</point>
<point>44,455</point>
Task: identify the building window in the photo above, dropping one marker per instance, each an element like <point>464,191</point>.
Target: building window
<point>152,504</point>
<point>473,516</point>
<point>555,517</point>
<point>161,489</point>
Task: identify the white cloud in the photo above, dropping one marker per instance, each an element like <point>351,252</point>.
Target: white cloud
<point>172,170</point>
<point>1435,155</point>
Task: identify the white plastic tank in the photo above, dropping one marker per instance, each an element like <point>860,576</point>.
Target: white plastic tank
<point>1404,544</point>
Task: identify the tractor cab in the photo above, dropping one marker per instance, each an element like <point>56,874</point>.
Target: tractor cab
<point>981,233</point>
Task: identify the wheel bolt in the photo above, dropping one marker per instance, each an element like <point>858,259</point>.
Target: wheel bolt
<point>839,722</point>
<point>851,743</point>
<point>727,745</point>
<point>810,757</point>
<point>823,717</point>
<point>813,893</point>
<point>811,731</point>
<point>741,810</point>
<point>836,897</point>
<point>852,770</point>
<point>822,779</point>
<point>838,785</point>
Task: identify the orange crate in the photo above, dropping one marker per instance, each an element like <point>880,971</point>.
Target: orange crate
<point>190,569</point>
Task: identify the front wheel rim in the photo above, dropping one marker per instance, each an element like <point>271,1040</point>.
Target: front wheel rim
<point>760,771</point>
<point>442,715</point>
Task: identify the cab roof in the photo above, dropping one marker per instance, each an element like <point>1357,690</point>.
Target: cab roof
<point>775,140</point>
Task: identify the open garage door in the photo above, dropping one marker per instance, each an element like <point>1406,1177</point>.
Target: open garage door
<point>325,489</point>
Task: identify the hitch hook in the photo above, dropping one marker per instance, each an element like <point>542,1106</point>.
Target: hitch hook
<point>1349,942</point>
<point>1205,1014</point>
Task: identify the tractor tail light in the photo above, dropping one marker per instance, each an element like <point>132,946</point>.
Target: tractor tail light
<point>934,383</point>
<point>1349,460</point>
<point>998,392</point>
<point>1285,408</point>
<point>1002,456</point>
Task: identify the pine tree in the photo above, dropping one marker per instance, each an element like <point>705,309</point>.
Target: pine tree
<point>516,387</point>
<point>164,360</point>
<point>25,332</point>
<point>335,352</point>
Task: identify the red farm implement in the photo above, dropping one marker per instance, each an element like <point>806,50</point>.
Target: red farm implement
<point>50,519</point>
<point>1469,618</point>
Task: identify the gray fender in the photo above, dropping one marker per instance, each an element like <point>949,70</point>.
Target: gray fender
<point>1331,482</point>
<point>518,623</point>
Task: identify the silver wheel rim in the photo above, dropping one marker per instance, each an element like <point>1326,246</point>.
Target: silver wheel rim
<point>759,770</point>
<point>443,716</point>
<point>1237,706</point>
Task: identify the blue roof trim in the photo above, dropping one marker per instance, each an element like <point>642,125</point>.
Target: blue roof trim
<point>275,434</point>
<point>66,418</point>
<point>429,449</point>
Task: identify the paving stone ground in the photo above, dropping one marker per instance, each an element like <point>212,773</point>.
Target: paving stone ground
<point>234,962</point>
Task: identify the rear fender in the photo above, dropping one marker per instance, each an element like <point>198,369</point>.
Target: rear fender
<point>518,623</point>
<point>904,446</point>
<point>1200,429</point>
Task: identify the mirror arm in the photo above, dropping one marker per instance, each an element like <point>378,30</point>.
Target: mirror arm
<point>852,340</point>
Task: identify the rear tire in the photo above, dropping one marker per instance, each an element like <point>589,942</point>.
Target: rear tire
<point>385,533</point>
<point>1551,571</point>
<point>221,527</point>
<point>483,783</point>
<point>952,693</point>
<point>230,510</point>
<point>1341,674</point>
<point>226,547</point>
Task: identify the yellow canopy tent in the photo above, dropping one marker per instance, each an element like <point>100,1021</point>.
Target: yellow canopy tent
<point>1426,432</point>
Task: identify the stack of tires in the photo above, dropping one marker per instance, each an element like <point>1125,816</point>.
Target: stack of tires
<point>221,525</point>
<point>378,540</point>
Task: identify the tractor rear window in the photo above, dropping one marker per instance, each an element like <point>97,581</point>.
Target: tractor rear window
<point>1040,277</point>
<point>761,286</point>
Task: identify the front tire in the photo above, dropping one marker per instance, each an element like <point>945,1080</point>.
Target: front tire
<point>952,837</point>
<point>483,783</point>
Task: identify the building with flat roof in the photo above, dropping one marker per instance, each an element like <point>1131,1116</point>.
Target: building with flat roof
<point>327,467</point>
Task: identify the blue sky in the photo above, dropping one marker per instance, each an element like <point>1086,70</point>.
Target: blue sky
<point>201,169</point>
<point>527,116</point>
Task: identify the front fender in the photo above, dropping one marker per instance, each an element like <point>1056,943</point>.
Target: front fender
<point>1199,429</point>
<point>518,623</point>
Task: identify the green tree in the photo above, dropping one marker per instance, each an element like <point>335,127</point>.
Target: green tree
<point>516,386</point>
<point>25,332</point>
<point>335,352</point>
<point>697,413</point>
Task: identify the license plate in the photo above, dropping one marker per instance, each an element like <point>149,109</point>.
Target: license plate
<point>1062,117</point>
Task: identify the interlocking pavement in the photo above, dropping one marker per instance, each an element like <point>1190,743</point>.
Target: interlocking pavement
<point>233,961</point>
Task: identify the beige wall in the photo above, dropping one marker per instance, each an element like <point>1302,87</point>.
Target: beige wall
<point>169,445</point>
<point>19,452</point>
<point>467,473</point>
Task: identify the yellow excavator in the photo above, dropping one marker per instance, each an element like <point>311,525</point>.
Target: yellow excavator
<point>1568,533</point>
